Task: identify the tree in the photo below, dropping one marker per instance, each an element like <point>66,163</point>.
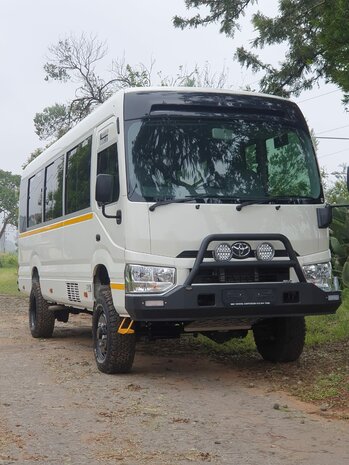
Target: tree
<point>337,193</point>
<point>314,32</point>
<point>9,192</point>
<point>74,59</point>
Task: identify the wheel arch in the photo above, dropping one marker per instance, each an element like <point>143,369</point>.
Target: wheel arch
<point>35,274</point>
<point>100,277</point>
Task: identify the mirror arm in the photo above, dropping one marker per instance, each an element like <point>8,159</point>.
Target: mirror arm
<point>344,205</point>
<point>117,217</point>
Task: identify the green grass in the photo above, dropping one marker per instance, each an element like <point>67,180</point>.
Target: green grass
<point>8,281</point>
<point>234,346</point>
<point>8,260</point>
<point>326,386</point>
<point>329,328</point>
<point>8,274</point>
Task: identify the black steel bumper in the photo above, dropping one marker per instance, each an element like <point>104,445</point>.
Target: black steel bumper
<point>236,300</point>
<point>200,302</point>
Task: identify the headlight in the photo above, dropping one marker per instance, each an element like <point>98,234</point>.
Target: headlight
<point>149,279</point>
<point>319,274</point>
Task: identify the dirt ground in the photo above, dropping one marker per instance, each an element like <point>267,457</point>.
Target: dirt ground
<point>176,407</point>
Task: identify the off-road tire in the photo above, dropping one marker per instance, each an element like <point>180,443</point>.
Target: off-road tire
<point>114,352</point>
<point>41,319</point>
<point>280,339</point>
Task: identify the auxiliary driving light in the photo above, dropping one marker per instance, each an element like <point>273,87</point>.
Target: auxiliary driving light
<point>265,251</point>
<point>223,252</point>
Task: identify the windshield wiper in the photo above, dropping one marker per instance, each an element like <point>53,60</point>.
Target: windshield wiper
<point>286,198</point>
<point>167,202</point>
<point>193,198</point>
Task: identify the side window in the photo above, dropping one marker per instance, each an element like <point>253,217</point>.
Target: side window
<point>53,190</point>
<point>35,188</point>
<point>107,163</point>
<point>78,177</point>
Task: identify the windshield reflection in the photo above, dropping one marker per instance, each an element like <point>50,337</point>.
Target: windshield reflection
<point>176,157</point>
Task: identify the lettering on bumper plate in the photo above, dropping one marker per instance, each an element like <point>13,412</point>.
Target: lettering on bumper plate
<point>248,297</point>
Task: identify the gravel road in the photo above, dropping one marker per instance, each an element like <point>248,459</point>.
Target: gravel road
<point>176,407</point>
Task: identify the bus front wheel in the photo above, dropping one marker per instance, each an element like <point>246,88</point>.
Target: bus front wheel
<point>114,351</point>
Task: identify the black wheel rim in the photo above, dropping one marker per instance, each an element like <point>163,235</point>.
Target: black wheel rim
<point>101,337</point>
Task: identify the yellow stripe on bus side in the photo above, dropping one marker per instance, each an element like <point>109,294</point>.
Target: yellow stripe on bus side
<point>60,224</point>
<point>117,286</point>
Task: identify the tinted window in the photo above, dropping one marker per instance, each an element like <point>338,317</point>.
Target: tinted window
<point>35,199</point>
<point>78,177</point>
<point>54,190</point>
<point>107,163</point>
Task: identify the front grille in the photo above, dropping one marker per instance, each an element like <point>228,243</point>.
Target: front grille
<point>236,274</point>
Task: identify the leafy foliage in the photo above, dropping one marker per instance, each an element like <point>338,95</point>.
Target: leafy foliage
<point>9,193</point>
<point>314,32</point>
<point>338,194</point>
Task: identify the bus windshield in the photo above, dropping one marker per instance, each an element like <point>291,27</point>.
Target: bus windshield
<point>176,157</point>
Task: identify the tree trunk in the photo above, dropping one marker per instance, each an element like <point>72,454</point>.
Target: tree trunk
<point>3,227</point>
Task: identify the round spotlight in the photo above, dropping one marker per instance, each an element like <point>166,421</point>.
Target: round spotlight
<point>265,251</point>
<point>222,253</point>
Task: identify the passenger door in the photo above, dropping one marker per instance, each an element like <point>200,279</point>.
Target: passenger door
<point>111,245</point>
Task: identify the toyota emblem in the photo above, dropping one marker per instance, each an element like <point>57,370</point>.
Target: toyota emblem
<point>240,250</point>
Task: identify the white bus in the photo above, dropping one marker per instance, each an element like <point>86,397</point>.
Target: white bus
<point>178,210</point>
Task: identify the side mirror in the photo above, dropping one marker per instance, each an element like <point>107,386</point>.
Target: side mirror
<point>324,216</point>
<point>104,193</point>
<point>104,188</point>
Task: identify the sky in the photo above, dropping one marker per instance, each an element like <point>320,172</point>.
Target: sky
<point>140,31</point>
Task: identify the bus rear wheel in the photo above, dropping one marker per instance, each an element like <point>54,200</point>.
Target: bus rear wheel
<point>114,351</point>
<point>280,339</point>
<point>41,319</point>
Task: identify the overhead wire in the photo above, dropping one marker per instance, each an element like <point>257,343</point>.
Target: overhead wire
<point>318,96</point>
<point>334,129</point>
<point>333,138</point>
<point>334,153</point>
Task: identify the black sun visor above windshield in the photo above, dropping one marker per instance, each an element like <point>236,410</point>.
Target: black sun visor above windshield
<point>148,103</point>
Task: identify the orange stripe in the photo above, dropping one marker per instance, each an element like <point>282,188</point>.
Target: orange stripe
<point>60,224</point>
<point>117,286</point>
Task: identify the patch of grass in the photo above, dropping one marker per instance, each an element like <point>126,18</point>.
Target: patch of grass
<point>326,386</point>
<point>232,347</point>
<point>329,328</point>
<point>330,386</point>
<point>8,281</point>
<point>8,274</point>
<point>8,260</point>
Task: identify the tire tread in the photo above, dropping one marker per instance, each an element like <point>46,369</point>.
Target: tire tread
<point>121,347</point>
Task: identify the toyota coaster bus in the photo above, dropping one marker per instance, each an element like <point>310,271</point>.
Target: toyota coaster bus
<point>178,210</point>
